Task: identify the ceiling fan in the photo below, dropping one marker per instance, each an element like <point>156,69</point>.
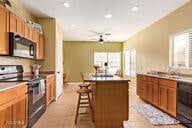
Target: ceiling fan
<point>100,37</point>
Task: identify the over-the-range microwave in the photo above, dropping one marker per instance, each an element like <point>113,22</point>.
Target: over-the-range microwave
<point>21,47</point>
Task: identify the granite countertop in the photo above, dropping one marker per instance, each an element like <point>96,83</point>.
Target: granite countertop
<point>41,74</point>
<point>170,77</point>
<point>9,85</point>
<point>89,77</point>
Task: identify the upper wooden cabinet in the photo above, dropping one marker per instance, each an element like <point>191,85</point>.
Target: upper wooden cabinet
<point>35,36</point>
<point>28,32</point>
<point>4,29</point>
<point>39,40</point>
<point>11,23</point>
<point>41,53</point>
<point>16,24</point>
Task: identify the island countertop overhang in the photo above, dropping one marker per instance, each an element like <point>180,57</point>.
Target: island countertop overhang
<point>88,77</point>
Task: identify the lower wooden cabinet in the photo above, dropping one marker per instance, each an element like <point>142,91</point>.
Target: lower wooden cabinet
<point>50,89</point>
<point>167,96</point>
<point>14,111</point>
<point>159,92</point>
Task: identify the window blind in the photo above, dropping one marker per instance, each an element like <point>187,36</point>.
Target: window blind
<point>182,50</point>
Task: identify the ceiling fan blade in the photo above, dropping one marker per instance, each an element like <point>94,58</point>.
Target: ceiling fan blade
<point>98,33</point>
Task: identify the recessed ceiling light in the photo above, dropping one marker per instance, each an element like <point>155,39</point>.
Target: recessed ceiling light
<point>135,8</point>
<point>72,25</point>
<point>108,16</point>
<point>66,4</point>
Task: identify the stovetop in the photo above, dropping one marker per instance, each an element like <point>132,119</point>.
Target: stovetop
<point>14,73</point>
<point>21,78</point>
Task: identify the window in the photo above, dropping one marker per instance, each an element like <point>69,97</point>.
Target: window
<point>130,62</point>
<point>113,59</point>
<point>181,50</point>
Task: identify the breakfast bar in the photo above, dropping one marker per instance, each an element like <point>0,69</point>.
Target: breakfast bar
<point>109,100</point>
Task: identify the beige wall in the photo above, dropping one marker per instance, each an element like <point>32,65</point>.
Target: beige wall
<point>79,56</point>
<point>49,31</point>
<point>13,60</point>
<point>152,44</point>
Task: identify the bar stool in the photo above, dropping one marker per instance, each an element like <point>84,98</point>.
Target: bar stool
<point>86,85</point>
<point>84,96</point>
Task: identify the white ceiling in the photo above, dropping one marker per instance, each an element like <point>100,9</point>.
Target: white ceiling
<point>89,16</point>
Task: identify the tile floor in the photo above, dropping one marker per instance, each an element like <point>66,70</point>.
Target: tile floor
<point>61,114</point>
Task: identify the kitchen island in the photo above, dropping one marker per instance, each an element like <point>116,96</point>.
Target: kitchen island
<point>109,100</point>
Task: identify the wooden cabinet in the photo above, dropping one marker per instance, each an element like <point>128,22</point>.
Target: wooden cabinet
<point>28,31</point>
<point>159,92</point>
<point>167,96</point>
<point>14,107</point>
<point>16,24</point>
<point>50,89</point>
<point>141,86</point>
<point>40,48</point>
<point>4,29</point>
<point>152,90</point>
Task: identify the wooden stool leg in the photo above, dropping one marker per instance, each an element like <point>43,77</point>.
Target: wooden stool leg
<point>77,108</point>
<point>91,107</point>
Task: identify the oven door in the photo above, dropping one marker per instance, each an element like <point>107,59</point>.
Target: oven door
<point>184,103</point>
<point>37,96</point>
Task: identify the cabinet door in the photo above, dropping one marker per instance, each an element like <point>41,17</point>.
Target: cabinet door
<point>171,104</point>
<point>20,26</point>
<point>13,23</point>
<point>155,99</point>
<point>4,29</point>
<point>6,120</point>
<point>52,88</point>
<point>20,112</point>
<point>26,31</point>
<point>149,93</point>
<point>48,92</point>
<point>40,47</point>
<point>163,97</point>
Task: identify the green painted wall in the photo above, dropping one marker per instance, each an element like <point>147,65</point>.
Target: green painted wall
<point>79,56</point>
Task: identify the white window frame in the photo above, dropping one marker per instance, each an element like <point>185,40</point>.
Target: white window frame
<point>128,66</point>
<point>102,65</point>
<point>171,51</point>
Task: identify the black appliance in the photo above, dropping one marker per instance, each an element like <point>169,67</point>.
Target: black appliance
<point>184,103</point>
<point>36,90</point>
<point>21,47</point>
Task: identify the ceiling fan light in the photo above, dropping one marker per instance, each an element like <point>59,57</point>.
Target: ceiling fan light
<point>101,41</point>
<point>66,4</point>
<point>108,16</point>
<point>135,8</point>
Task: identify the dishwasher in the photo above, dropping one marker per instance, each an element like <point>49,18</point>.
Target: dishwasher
<point>184,103</point>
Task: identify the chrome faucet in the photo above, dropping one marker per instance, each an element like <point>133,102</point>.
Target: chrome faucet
<point>172,71</point>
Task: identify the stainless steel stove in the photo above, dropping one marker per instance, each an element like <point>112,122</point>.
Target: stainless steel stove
<point>36,90</point>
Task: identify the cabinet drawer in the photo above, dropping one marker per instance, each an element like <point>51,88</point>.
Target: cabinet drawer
<point>152,79</point>
<point>12,94</point>
<point>169,83</point>
<point>141,77</point>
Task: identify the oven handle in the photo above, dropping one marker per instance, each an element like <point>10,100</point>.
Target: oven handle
<point>184,90</point>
